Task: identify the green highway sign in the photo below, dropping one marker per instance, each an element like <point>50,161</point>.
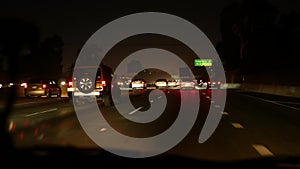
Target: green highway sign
<point>203,62</point>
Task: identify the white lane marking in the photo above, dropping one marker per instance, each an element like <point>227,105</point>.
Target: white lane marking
<point>225,113</point>
<point>274,102</point>
<point>41,112</point>
<point>217,106</point>
<point>103,129</point>
<point>18,104</point>
<point>237,125</point>
<point>212,101</point>
<point>159,97</point>
<point>151,101</point>
<point>262,150</point>
<point>286,102</point>
<point>134,111</point>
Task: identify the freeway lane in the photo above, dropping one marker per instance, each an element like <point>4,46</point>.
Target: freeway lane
<point>31,115</point>
<point>268,123</point>
<point>250,127</point>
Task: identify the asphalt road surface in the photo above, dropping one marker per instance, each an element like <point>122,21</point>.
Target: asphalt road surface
<point>252,125</point>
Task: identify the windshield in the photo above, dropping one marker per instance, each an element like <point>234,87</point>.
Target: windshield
<point>235,96</point>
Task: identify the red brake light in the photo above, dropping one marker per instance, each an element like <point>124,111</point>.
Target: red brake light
<point>219,82</point>
<point>103,83</point>
<point>208,82</point>
<point>44,86</point>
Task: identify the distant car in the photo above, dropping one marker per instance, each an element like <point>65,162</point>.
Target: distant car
<point>161,83</point>
<point>187,83</point>
<point>138,84</point>
<point>172,83</point>
<point>213,84</point>
<point>202,84</point>
<point>37,87</point>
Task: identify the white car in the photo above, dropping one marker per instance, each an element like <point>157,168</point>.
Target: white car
<point>172,83</point>
<point>187,83</point>
<point>138,84</point>
<point>161,83</point>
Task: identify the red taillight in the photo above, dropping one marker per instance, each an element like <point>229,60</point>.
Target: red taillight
<point>219,82</point>
<point>208,82</point>
<point>44,86</point>
<point>103,83</point>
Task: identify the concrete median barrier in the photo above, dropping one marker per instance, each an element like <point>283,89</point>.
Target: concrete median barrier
<point>282,90</point>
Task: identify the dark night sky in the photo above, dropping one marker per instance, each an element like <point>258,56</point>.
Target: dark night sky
<point>77,21</point>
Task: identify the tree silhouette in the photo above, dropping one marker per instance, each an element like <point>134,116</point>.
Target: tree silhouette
<point>46,61</point>
<point>52,49</point>
<point>18,37</point>
<point>248,36</point>
<point>288,41</point>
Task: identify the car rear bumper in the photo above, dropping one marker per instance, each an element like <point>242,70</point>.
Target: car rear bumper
<point>35,92</point>
<point>94,93</point>
<point>137,86</point>
<point>76,92</point>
